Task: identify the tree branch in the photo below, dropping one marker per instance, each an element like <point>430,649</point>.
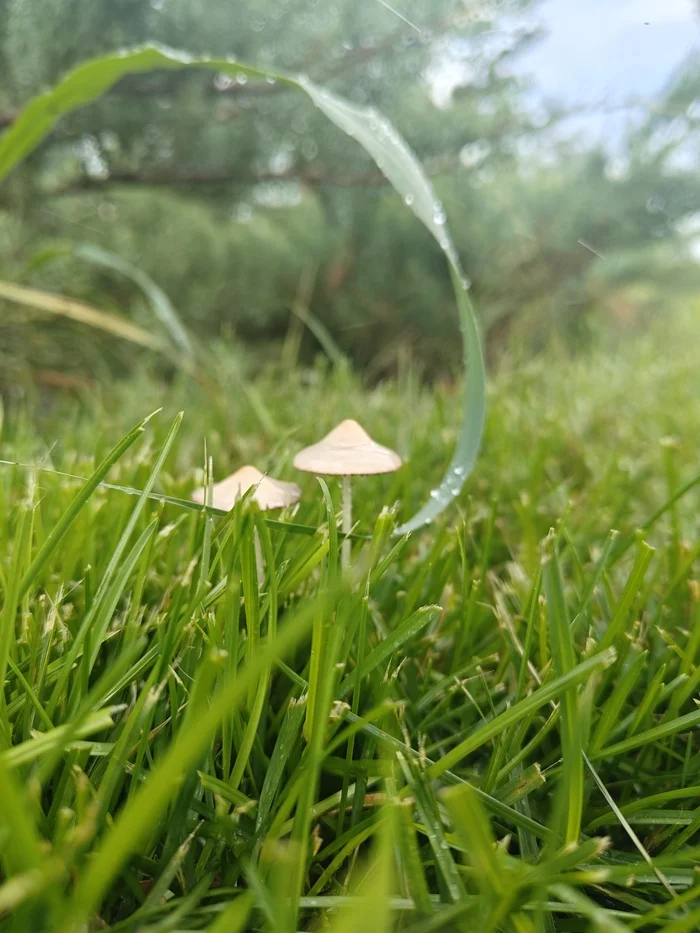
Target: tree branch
<point>214,178</point>
<point>6,119</point>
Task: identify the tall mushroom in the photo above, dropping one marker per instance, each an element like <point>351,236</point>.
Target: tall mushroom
<point>347,451</point>
<point>269,494</point>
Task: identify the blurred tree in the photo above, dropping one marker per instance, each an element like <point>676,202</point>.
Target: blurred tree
<point>229,192</point>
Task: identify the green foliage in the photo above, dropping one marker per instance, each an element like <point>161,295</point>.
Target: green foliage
<point>91,80</point>
<point>494,741</point>
<point>225,191</point>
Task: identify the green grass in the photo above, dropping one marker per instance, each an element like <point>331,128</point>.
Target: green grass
<point>492,724</point>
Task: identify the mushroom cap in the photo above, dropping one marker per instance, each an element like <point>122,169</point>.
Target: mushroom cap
<point>347,451</point>
<point>269,494</point>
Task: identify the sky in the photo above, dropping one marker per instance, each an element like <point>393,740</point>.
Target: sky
<point>608,51</point>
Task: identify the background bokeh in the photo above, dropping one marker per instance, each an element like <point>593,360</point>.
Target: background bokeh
<point>565,154</point>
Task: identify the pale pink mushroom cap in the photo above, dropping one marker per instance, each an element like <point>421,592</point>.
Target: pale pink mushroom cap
<point>347,451</point>
<point>269,494</point>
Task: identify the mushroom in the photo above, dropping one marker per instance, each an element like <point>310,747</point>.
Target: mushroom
<point>347,451</point>
<point>269,494</point>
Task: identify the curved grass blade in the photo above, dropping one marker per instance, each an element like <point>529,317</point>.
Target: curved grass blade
<point>80,312</point>
<point>372,131</point>
<point>159,301</point>
<point>275,524</point>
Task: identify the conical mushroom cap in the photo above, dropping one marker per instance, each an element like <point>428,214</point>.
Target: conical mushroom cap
<point>347,451</point>
<point>270,493</point>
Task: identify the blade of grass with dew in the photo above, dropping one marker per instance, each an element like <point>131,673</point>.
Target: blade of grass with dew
<point>90,80</point>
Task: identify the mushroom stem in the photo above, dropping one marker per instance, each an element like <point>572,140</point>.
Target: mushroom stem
<point>259,562</point>
<point>347,521</point>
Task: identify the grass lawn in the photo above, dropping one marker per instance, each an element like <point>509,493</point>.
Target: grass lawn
<point>491,725</point>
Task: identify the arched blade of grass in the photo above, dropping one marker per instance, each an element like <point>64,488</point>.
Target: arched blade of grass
<point>372,131</point>
<point>272,523</point>
<point>159,301</point>
<point>135,822</point>
<point>83,313</point>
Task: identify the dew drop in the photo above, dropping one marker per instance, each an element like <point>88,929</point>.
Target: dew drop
<point>409,199</point>
<point>241,78</point>
<point>222,82</point>
<point>434,494</point>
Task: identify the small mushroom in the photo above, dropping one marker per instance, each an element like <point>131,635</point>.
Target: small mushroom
<point>269,494</point>
<point>347,451</point>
